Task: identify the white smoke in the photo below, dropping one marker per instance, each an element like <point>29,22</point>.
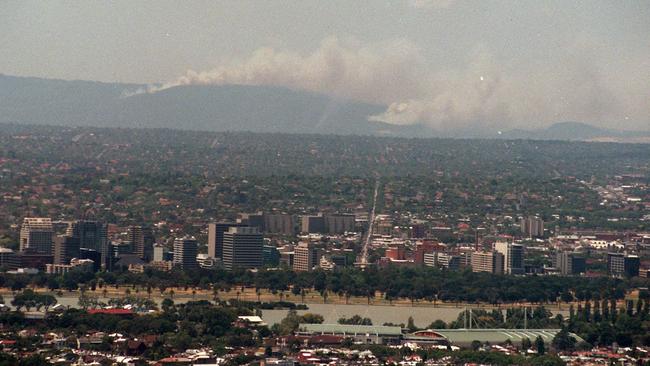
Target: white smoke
<point>483,92</point>
<point>378,73</point>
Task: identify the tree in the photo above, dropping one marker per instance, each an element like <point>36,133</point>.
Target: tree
<point>476,345</point>
<point>289,324</point>
<point>167,304</point>
<point>563,341</point>
<point>310,318</point>
<point>539,344</point>
<point>411,325</point>
<point>355,320</point>
<point>437,324</point>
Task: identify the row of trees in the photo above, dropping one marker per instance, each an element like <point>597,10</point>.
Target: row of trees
<point>416,284</point>
<point>602,322</point>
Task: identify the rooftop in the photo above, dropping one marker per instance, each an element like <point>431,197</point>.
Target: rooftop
<point>493,336</point>
<point>349,329</point>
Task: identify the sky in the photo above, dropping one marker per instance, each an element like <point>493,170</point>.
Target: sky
<point>446,63</point>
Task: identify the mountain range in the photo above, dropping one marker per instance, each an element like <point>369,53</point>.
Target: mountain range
<point>27,100</point>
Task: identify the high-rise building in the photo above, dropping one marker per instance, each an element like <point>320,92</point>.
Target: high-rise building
<point>158,253</point>
<point>306,257</point>
<point>313,224</point>
<point>8,259</point>
<point>65,248</point>
<point>30,258</point>
<point>621,265</point>
<point>185,253</point>
<point>142,241</point>
<point>569,263</point>
<point>491,262</point>
<point>252,220</point>
<point>279,224</point>
<point>36,234</point>
<point>532,227</point>
<point>215,237</point>
<point>442,260</point>
<point>92,235</point>
<point>242,248</point>
<point>339,224</point>
<point>93,255</point>
<point>271,255</point>
<point>426,246</point>
<point>513,257</point>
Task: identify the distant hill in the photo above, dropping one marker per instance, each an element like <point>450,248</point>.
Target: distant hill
<point>207,108</point>
<point>26,100</point>
<point>577,131</point>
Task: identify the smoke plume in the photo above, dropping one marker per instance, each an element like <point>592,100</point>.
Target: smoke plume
<point>481,92</point>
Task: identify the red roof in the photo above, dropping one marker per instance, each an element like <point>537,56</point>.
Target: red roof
<point>111,311</point>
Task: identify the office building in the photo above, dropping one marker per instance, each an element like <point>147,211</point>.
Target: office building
<point>383,226</point>
<point>286,258</point>
<point>215,237</point>
<point>429,259</point>
<point>306,257</point>
<point>426,246</point>
<point>65,248</point>
<point>532,227</point>
<point>30,258</point>
<point>339,224</point>
<point>9,260</point>
<point>442,260</point>
<point>491,262</point>
<point>252,220</point>
<point>242,248</point>
<point>93,255</point>
<point>271,255</point>
<point>569,263</point>
<point>621,265</point>
<point>92,235</point>
<point>142,241</point>
<point>312,224</point>
<point>185,253</point>
<point>279,224</point>
<point>513,257</point>
<point>160,254</point>
<point>396,252</point>
<point>76,264</point>
<point>36,234</point>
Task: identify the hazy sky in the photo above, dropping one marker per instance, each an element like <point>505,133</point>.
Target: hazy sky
<point>444,62</point>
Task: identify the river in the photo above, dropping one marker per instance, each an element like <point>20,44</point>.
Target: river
<point>379,314</point>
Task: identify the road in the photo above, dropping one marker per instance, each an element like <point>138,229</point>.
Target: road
<point>371,224</point>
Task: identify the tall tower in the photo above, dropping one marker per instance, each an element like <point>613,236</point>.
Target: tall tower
<point>92,235</point>
<point>242,248</point>
<point>215,237</point>
<point>513,257</point>
<point>532,226</point>
<point>142,241</point>
<point>185,252</point>
<point>306,257</point>
<point>36,234</point>
<point>65,248</point>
